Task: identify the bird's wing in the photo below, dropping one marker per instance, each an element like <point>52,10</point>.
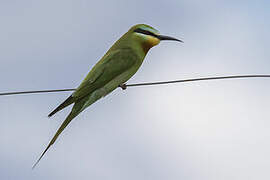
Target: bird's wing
<point>109,67</point>
<point>85,86</point>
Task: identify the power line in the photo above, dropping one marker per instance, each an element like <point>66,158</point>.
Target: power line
<point>35,92</point>
<point>199,79</point>
<point>144,84</point>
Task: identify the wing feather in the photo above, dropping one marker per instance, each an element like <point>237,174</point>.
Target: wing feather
<point>108,68</point>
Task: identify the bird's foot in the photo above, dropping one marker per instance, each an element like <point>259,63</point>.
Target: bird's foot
<point>123,86</point>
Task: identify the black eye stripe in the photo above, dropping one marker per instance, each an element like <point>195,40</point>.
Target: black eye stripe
<point>142,31</point>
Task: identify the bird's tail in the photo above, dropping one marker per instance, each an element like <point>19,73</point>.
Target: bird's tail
<point>77,108</point>
<point>71,115</point>
<point>66,103</point>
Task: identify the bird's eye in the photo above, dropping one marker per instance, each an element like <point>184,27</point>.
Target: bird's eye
<point>142,31</point>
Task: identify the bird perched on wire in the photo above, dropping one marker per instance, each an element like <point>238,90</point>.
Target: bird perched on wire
<point>117,66</point>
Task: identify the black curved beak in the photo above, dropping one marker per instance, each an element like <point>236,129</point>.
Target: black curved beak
<point>162,37</point>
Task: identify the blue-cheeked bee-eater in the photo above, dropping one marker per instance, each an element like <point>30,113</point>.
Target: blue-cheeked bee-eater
<point>117,66</point>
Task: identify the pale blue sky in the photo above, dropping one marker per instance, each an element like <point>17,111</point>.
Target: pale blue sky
<point>205,130</point>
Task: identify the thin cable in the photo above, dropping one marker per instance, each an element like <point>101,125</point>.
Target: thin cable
<point>199,79</point>
<point>145,84</point>
<point>35,92</point>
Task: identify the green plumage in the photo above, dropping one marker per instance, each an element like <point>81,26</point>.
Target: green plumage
<point>118,65</point>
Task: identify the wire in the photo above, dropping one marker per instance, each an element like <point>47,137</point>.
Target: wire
<point>35,92</point>
<point>124,86</point>
<point>200,79</point>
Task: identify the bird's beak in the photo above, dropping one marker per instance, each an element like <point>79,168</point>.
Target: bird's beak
<point>162,37</point>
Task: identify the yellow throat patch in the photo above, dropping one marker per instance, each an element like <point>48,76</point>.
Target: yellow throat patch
<point>150,42</point>
<point>153,41</point>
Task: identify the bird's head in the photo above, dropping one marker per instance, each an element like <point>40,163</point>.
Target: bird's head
<point>148,36</point>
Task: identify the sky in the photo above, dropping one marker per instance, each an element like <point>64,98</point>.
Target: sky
<point>201,130</point>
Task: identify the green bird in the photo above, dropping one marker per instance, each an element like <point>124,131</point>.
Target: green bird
<point>117,66</point>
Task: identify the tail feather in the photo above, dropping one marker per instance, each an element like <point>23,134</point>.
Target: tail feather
<point>78,107</point>
<point>71,115</point>
<point>66,103</point>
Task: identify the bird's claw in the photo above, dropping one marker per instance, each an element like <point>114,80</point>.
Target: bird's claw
<point>123,86</point>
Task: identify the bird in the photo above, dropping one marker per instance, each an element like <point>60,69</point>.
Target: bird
<point>116,67</point>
